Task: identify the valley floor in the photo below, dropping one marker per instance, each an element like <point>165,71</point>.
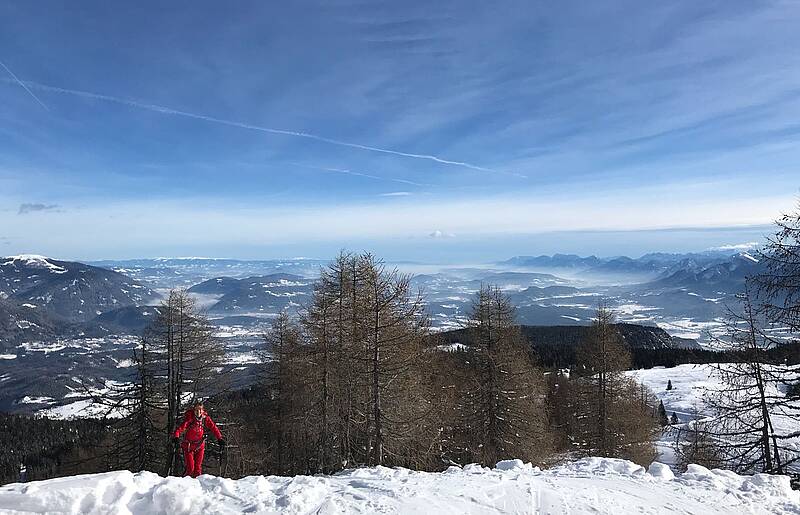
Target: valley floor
<point>592,485</point>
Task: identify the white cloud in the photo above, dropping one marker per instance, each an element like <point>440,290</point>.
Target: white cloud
<point>396,194</point>
<point>437,234</point>
<point>109,229</point>
<point>738,246</point>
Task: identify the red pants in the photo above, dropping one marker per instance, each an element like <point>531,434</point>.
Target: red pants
<point>193,458</point>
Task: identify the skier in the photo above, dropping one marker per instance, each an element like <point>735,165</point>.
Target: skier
<point>195,422</point>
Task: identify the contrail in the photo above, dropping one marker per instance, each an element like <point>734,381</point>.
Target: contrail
<point>346,171</point>
<point>241,125</point>
<point>16,79</point>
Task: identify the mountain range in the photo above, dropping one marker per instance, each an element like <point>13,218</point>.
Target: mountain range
<point>690,269</point>
<point>271,293</point>
<point>60,319</point>
<point>43,298</point>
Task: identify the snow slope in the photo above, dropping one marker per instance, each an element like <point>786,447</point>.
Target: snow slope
<point>592,485</point>
<point>690,383</point>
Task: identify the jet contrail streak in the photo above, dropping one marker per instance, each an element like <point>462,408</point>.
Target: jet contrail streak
<point>241,125</point>
<point>16,79</point>
<point>346,171</point>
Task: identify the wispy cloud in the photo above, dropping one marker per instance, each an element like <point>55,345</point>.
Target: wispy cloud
<point>345,171</point>
<point>396,194</point>
<point>589,104</point>
<point>35,207</point>
<point>232,123</point>
<point>197,224</point>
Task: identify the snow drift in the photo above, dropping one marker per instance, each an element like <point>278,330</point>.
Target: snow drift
<point>592,485</point>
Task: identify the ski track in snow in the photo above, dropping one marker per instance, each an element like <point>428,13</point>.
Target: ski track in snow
<point>592,485</point>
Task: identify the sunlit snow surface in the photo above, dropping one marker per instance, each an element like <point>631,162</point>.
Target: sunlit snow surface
<point>34,261</point>
<point>592,485</point>
<point>690,384</point>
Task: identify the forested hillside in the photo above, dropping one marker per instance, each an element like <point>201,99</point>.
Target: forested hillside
<point>49,448</point>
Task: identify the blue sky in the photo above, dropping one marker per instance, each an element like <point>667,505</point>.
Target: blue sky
<point>435,131</point>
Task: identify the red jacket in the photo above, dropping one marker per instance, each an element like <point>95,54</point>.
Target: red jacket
<point>195,429</point>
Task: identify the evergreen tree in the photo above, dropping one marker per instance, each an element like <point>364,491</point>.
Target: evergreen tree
<point>662,414</point>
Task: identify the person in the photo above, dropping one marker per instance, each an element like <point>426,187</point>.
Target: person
<point>195,422</point>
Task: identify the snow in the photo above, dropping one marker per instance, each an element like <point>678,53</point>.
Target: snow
<point>283,283</point>
<point>632,308</point>
<point>691,328</point>
<point>83,408</point>
<point>227,331</point>
<point>34,261</point>
<point>241,358</point>
<point>512,465</point>
<point>452,347</point>
<point>36,400</point>
<point>747,256</point>
<point>660,471</point>
<point>38,346</point>
<point>25,324</point>
<point>8,356</point>
<point>592,485</point>
<point>690,383</point>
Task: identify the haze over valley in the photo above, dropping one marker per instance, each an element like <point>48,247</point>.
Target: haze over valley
<point>67,320</point>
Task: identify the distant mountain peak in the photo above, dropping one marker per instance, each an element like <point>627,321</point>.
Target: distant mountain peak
<point>68,291</point>
<point>34,261</point>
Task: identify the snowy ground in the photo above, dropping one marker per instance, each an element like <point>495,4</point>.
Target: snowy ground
<point>591,485</point>
<point>690,383</point>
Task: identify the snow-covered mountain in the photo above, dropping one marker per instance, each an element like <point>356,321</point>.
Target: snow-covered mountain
<point>554,261</point>
<point>262,294</point>
<point>67,291</point>
<point>669,267</point>
<point>42,340</point>
<point>588,486</point>
<point>728,275</point>
<point>185,272</point>
<point>21,322</point>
